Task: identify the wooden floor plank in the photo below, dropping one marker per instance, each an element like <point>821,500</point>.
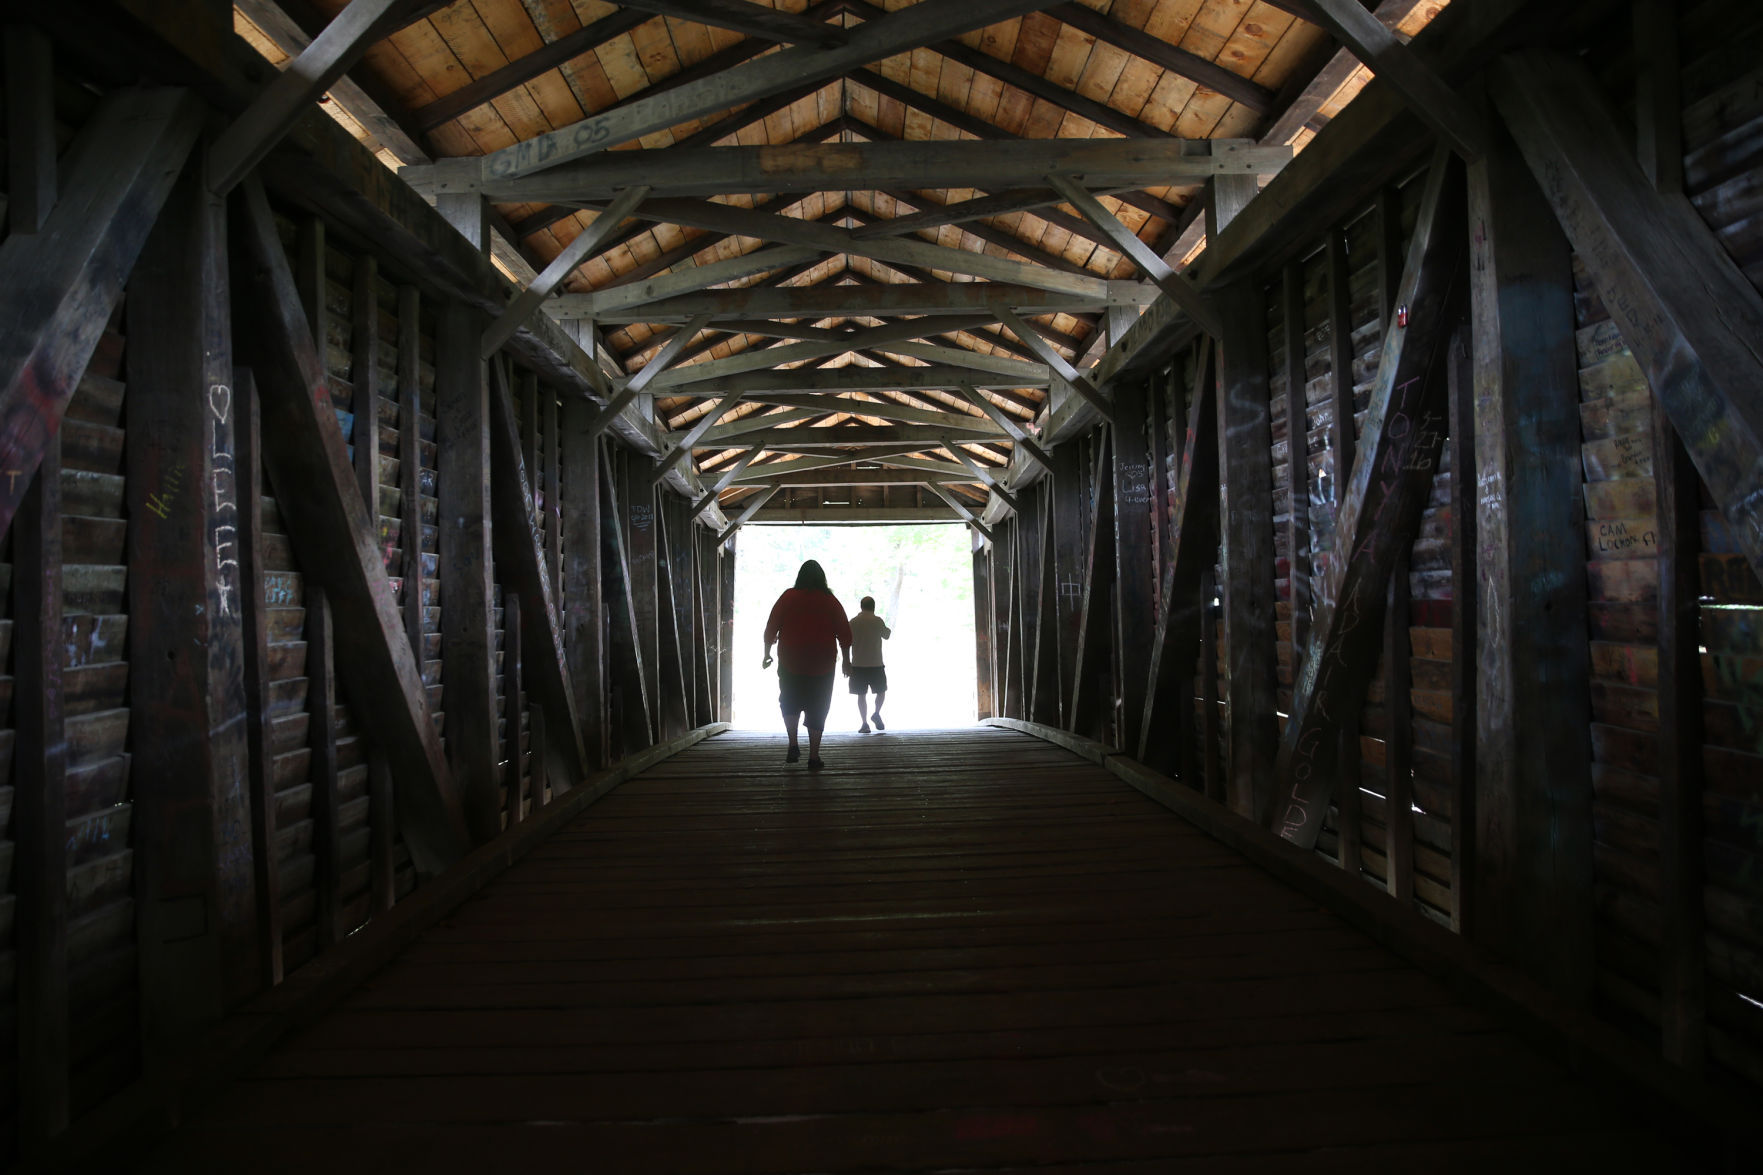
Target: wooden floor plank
<point>963,950</point>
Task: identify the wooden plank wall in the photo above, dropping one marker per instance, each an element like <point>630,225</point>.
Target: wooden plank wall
<point>1674,613</point>
<point>325,851</point>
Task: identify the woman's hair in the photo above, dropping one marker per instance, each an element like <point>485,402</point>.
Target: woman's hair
<point>812,579</point>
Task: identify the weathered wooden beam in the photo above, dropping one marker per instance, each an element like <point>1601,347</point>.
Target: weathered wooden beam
<point>1658,95</point>
<point>255,132</point>
<point>1247,557</point>
<point>748,508</point>
<point>462,442</point>
<point>39,805</point>
<point>1683,991</point>
<point>1297,462</point>
<point>1042,665</point>
<point>526,303</point>
<point>1390,482</point>
<point>1430,96</point>
<point>639,382</point>
<point>877,409</point>
<point>1684,308</point>
<point>853,435</point>
<point>1134,574</point>
<point>1322,78</point>
<point>626,673</point>
<point>584,619</point>
<point>1532,761</point>
<point>1085,715</point>
<point>813,303</point>
<point>642,544</point>
<point>1068,511</point>
<point>30,128</point>
<point>1050,355</point>
<point>683,447</point>
<point>522,569</point>
<point>191,828</point>
<point>303,446</point>
<point>1207,74</point>
<point>1180,288</point>
<point>992,479</point>
<point>985,666</point>
<point>748,19</point>
<point>1008,423</point>
<point>875,40</point>
<point>725,478</point>
<point>266,864</point>
<point>321,743</point>
<point>513,711</point>
<point>1465,628</point>
<point>675,675</point>
<point>63,281</point>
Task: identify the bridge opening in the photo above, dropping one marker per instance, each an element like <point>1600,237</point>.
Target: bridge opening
<point>921,576</point>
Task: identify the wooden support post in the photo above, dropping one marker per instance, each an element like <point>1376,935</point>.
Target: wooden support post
<point>1297,463</point>
<point>1682,990</point>
<point>1658,99</point>
<point>410,406</point>
<point>1004,614</point>
<point>311,279</point>
<point>470,214</point>
<point>985,673</point>
<point>1380,515</point>
<point>364,376</point>
<point>584,619</point>
<point>462,436</point>
<point>30,128</point>
<point>382,819</point>
<point>513,710</point>
<point>1087,714</point>
<point>1211,769</point>
<point>1185,619</point>
<point>39,817</point>
<point>725,633</point>
<point>1398,705</point>
<point>1532,875</point>
<point>261,777</point>
<point>1465,568</point>
<point>626,680</point>
<point>195,906</point>
<point>303,446</point>
<point>1245,459</point>
<point>1683,307</point>
<point>63,281</point>
<point>1227,196</point>
<point>321,710</point>
<point>522,568</point>
<point>551,477</point>
<point>1135,553</point>
<point>1068,514</point>
<point>638,495</point>
<point>672,675</point>
<point>1343,440</point>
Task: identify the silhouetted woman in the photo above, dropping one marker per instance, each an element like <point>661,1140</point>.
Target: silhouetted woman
<point>808,626</point>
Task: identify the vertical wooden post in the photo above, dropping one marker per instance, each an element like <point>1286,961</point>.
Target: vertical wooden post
<point>1343,439</point>
<point>196,905</point>
<point>1004,608</point>
<point>1658,94</point>
<point>1682,995</point>
<point>364,374</point>
<point>625,677</point>
<point>310,279</point>
<point>725,625</point>
<point>1066,527</point>
<point>584,621</point>
<point>982,630</point>
<point>30,128</point>
<point>1464,555</point>
<point>261,778</point>
<point>513,708</point>
<point>410,462</point>
<point>463,438</point>
<point>638,494</point>
<point>1398,670</point>
<point>1207,761</point>
<point>1245,455</point>
<point>1297,463</point>
<point>553,482</point>
<point>321,708</point>
<point>671,673</point>
<point>39,818</point>
<point>1135,552</point>
<point>1533,869</point>
<point>1044,625</point>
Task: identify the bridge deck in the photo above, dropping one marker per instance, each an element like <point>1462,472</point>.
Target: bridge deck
<point>955,951</point>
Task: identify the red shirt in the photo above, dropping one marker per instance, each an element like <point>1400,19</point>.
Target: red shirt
<point>808,627</point>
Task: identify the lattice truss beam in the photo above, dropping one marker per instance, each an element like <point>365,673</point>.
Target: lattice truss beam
<point>905,229</point>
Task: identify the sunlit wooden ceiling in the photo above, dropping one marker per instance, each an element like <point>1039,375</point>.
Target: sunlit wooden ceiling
<point>476,77</point>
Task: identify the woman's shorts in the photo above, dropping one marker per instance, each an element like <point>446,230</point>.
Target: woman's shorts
<point>873,678</point>
<point>808,696</point>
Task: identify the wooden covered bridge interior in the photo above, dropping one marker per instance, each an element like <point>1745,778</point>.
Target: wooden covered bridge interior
<point>1356,407</point>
